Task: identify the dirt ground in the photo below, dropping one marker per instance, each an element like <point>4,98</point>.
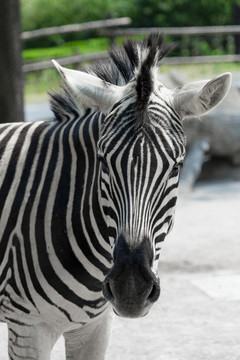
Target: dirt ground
<point>198,314</point>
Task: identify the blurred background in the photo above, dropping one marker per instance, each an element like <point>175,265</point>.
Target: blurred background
<point>198,315</point>
<point>81,31</point>
<point>38,14</point>
<point>28,16</point>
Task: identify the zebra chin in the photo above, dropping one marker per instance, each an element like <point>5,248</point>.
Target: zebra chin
<point>131,286</point>
<point>130,308</point>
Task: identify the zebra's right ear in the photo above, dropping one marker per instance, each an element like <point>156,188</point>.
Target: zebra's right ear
<point>88,90</point>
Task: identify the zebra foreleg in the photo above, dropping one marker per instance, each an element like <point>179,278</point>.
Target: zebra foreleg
<point>30,342</point>
<point>90,341</point>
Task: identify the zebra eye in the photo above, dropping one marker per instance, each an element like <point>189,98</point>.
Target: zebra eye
<point>177,166</point>
<point>103,162</point>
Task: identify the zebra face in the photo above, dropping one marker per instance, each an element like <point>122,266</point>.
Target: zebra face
<point>141,149</point>
<point>140,165</point>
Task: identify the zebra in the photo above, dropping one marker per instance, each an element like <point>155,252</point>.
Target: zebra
<point>87,198</point>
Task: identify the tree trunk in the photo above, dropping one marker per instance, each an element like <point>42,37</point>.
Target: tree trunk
<point>11,81</point>
<point>236,19</point>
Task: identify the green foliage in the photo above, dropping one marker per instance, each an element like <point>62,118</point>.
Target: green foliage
<point>38,14</point>
<point>67,49</point>
<point>181,13</point>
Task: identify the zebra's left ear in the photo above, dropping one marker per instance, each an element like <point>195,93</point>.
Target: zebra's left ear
<point>88,90</point>
<point>197,98</point>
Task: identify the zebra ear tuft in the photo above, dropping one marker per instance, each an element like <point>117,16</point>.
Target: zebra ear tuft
<point>199,97</point>
<point>89,91</point>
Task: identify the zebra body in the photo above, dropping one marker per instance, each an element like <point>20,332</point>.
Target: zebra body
<point>87,199</point>
<point>36,229</point>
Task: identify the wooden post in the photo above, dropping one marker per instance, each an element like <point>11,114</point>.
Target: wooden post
<point>11,84</point>
<point>112,42</point>
<point>236,18</point>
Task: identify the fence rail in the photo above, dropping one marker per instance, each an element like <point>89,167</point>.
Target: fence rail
<point>192,30</point>
<point>78,59</point>
<point>102,26</point>
<point>92,25</point>
<point>69,60</point>
<point>202,59</point>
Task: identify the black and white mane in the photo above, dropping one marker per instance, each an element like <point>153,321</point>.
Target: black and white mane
<point>123,63</point>
<point>120,68</point>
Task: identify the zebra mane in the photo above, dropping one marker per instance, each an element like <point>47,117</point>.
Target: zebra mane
<point>135,60</point>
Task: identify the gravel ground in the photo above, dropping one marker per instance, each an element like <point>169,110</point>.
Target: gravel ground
<point>197,317</point>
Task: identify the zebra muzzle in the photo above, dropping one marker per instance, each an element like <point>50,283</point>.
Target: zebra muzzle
<point>130,294</point>
<point>131,286</point>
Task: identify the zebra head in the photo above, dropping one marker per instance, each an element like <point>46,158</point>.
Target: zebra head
<point>141,149</point>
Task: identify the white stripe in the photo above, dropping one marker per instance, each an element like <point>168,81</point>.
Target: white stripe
<point>19,169</point>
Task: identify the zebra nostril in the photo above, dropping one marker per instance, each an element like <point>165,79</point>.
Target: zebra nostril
<point>107,292</point>
<point>154,294</point>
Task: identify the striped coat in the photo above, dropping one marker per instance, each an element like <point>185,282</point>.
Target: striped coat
<point>87,198</point>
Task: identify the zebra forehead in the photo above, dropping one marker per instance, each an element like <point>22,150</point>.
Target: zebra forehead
<point>140,148</point>
<point>160,126</point>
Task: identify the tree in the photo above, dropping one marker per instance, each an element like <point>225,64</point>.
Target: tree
<point>236,19</point>
<point>11,84</point>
